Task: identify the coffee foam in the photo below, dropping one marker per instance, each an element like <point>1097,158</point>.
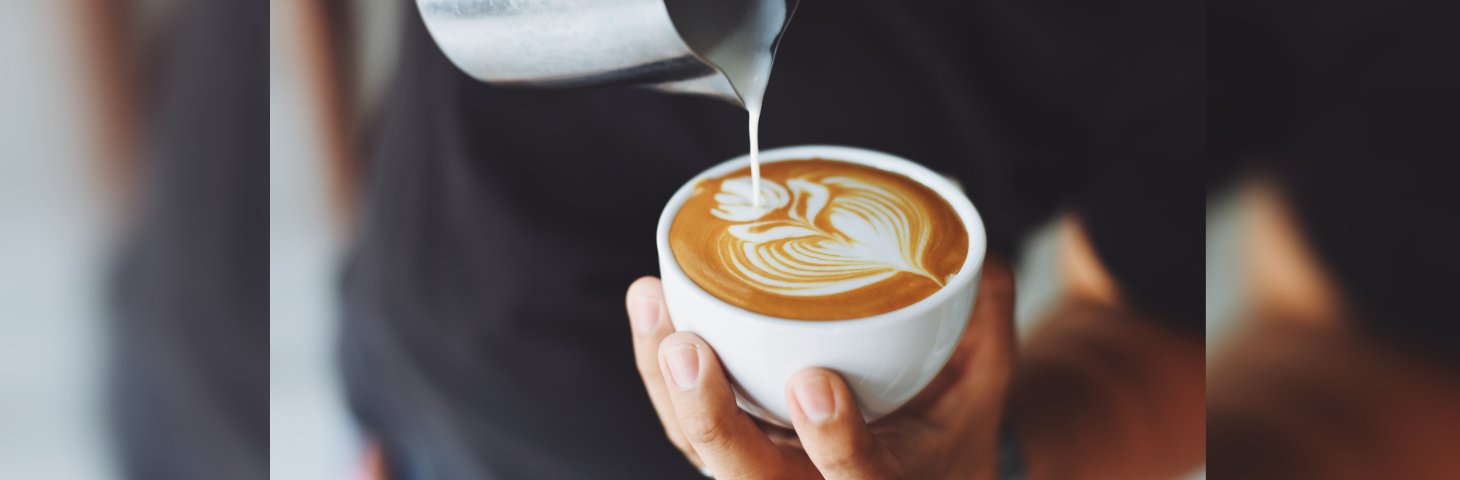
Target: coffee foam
<point>830,241</point>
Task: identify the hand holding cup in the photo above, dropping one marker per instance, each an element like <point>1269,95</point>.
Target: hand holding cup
<point>949,430</point>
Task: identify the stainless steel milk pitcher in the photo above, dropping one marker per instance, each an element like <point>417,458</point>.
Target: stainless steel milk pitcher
<point>575,43</point>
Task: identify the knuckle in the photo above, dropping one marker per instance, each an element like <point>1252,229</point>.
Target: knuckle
<point>839,459</point>
<point>844,456</point>
<point>702,430</point>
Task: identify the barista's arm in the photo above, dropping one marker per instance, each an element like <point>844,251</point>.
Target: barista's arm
<point>325,32</point>
<point>110,50</point>
<point>1099,392</point>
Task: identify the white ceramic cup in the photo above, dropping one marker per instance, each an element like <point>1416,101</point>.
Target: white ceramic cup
<point>886,359</point>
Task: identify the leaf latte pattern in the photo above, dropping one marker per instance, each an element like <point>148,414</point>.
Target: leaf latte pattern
<point>825,232</point>
<point>874,234</point>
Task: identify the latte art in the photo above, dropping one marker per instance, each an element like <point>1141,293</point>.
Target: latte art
<point>874,234</point>
<point>829,240</point>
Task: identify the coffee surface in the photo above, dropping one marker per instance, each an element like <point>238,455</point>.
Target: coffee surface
<point>831,240</point>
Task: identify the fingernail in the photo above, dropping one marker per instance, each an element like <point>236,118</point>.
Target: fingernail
<point>645,314</point>
<point>814,396</point>
<point>684,365</point>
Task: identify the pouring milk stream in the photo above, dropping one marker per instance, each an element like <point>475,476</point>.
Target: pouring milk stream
<point>744,51</point>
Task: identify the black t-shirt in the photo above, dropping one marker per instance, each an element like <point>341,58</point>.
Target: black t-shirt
<point>485,333</point>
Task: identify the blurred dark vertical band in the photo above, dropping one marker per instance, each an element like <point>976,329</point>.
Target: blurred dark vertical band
<point>189,378</point>
<point>1356,114</point>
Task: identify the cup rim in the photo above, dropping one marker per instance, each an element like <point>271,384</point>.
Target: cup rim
<point>972,222</point>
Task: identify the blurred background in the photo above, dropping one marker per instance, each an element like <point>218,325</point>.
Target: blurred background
<point>132,344</point>
<point>1332,346</point>
<point>311,434</point>
<point>56,228</point>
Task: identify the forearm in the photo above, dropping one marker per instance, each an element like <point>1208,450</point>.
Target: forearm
<point>109,48</point>
<point>1101,393</point>
<point>325,28</point>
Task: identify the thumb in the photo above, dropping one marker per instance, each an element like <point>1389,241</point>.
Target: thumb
<point>832,430</point>
<point>723,436</point>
